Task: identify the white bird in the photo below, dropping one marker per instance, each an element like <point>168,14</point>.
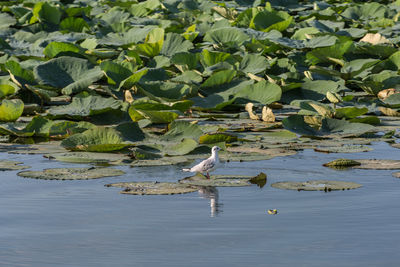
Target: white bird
<point>207,165</point>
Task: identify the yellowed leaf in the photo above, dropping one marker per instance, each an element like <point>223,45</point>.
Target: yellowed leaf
<point>389,112</point>
<point>324,112</point>
<point>374,38</point>
<point>267,114</point>
<point>249,109</point>
<point>385,93</point>
<point>255,77</point>
<point>128,96</point>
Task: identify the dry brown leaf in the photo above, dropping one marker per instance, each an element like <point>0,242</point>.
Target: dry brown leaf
<point>324,112</point>
<point>389,112</point>
<point>374,38</point>
<point>128,96</point>
<point>313,121</point>
<point>267,114</point>
<point>385,93</point>
<point>249,109</point>
<point>255,77</point>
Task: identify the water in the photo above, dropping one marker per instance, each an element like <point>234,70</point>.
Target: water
<point>83,223</point>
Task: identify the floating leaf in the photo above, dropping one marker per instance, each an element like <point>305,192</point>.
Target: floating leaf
<point>71,173</point>
<point>329,126</point>
<point>85,106</point>
<point>226,36</point>
<point>45,12</point>
<point>98,139</point>
<point>216,138</point>
<point>342,163</point>
<point>11,110</point>
<point>268,20</point>
<point>378,164</point>
<point>316,185</point>
<point>344,149</point>
<point>8,165</point>
<point>153,188</point>
<point>261,92</point>
<point>53,49</point>
<point>71,74</point>
<point>220,180</point>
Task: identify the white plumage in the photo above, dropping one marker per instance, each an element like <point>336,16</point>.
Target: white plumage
<point>206,165</point>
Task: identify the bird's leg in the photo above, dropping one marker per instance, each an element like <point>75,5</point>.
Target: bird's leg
<point>208,176</point>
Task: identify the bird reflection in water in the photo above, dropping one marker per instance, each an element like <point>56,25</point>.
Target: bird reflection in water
<point>211,193</point>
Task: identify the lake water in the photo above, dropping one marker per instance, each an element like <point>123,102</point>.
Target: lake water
<point>82,223</point>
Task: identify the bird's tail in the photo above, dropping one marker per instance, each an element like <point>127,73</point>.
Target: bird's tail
<point>186,170</point>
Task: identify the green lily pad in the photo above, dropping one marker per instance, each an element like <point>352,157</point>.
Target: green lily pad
<point>153,188</point>
<point>72,173</point>
<point>222,180</point>
<point>9,165</point>
<point>85,106</point>
<point>342,163</point>
<point>329,127</point>
<point>344,149</point>
<point>316,185</point>
<point>69,73</point>
<point>11,110</point>
<point>99,139</point>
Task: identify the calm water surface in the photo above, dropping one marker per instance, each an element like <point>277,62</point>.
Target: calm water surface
<point>83,223</point>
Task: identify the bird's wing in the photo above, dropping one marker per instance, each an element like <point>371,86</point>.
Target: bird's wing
<point>204,166</point>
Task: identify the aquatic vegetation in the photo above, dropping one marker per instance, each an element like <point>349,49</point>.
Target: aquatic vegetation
<point>71,173</point>
<point>115,75</point>
<point>8,165</point>
<point>317,185</point>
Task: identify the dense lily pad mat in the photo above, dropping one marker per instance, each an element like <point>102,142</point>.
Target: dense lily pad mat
<point>316,185</point>
<point>184,72</point>
<point>71,173</point>
<point>8,165</point>
<point>153,188</point>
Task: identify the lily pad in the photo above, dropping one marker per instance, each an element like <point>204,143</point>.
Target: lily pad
<point>316,185</point>
<point>81,107</point>
<point>98,139</point>
<point>9,165</point>
<point>153,188</point>
<point>89,157</point>
<point>344,149</point>
<point>11,110</point>
<point>164,161</point>
<point>221,180</point>
<point>71,173</point>
<point>69,73</point>
<point>378,164</point>
<point>342,163</point>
